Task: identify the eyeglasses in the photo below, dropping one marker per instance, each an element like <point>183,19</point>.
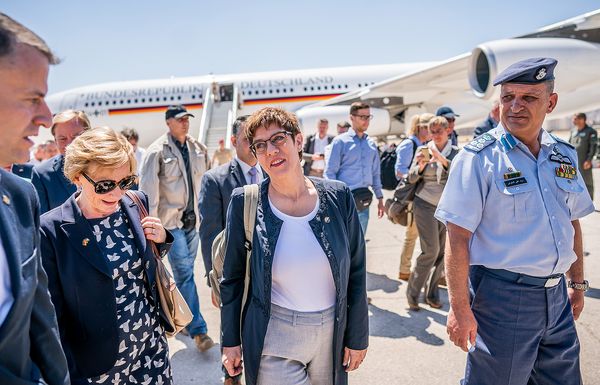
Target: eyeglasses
<point>277,140</point>
<point>106,186</point>
<point>363,117</point>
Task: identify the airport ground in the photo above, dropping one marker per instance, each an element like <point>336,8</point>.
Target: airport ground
<point>406,347</point>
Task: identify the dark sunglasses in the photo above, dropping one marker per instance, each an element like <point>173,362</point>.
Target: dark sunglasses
<point>277,140</point>
<point>106,186</point>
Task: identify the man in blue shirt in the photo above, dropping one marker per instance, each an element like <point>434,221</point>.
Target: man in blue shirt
<point>354,160</point>
<point>512,206</point>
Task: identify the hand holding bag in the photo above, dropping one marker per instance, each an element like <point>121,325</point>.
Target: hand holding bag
<point>172,303</point>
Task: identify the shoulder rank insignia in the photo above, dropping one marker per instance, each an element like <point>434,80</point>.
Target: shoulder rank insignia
<point>566,171</point>
<point>562,141</point>
<point>480,142</point>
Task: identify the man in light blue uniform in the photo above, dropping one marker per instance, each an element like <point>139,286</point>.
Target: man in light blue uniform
<point>512,206</point>
<point>354,160</point>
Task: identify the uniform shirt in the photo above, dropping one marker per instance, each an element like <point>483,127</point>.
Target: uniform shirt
<point>354,161</point>
<point>6,296</point>
<point>584,141</point>
<point>524,225</point>
<point>405,153</point>
<point>246,168</point>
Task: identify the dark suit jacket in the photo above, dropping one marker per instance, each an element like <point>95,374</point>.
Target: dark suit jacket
<point>309,150</point>
<point>82,288</point>
<point>52,185</point>
<point>215,194</point>
<point>29,342</point>
<point>337,229</point>
<point>23,170</point>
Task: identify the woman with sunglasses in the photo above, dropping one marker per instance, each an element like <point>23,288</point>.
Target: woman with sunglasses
<point>306,320</point>
<point>101,273</point>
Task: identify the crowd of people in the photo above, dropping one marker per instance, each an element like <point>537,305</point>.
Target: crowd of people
<point>79,301</point>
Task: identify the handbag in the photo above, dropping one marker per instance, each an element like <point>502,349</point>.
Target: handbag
<point>362,197</point>
<point>399,209</point>
<point>177,312</point>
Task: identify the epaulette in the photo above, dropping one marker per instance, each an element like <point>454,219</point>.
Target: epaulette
<point>480,142</point>
<point>562,141</point>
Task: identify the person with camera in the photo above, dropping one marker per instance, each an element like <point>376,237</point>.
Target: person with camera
<point>171,171</point>
<point>430,169</point>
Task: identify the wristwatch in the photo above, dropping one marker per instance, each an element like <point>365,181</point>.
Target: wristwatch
<point>583,286</point>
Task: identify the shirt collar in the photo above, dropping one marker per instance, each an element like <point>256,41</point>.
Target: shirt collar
<point>510,141</point>
<point>246,167</point>
<point>352,133</point>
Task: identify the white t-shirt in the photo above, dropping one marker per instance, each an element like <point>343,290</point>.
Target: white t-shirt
<point>302,278</point>
<point>320,145</point>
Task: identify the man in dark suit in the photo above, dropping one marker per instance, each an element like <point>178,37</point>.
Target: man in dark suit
<point>52,186</point>
<point>314,150</point>
<point>30,348</point>
<point>215,194</point>
<point>23,170</point>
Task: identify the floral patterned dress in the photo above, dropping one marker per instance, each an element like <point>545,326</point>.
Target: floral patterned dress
<point>143,356</point>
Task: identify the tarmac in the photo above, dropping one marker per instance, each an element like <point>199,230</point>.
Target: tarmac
<point>405,347</point>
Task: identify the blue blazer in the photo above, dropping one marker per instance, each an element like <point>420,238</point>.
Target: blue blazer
<point>337,229</point>
<point>24,170</point>
<point>52,185</point>
<point>82,288</point>
<point>29,343</point>
<point>215,193</point>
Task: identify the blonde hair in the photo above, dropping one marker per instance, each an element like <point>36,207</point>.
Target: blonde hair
<point>68,115</point>
<point>414,123</point>
<point>425,118</point>
<point>439,121</point>
<point>98,147</point>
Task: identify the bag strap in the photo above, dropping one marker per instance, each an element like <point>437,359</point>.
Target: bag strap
<point>250,206</point>
<point>143,214</point>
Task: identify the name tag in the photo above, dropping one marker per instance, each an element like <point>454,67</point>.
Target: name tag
<point>515,182</point>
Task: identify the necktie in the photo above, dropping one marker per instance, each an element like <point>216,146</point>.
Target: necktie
<point>253,177</point>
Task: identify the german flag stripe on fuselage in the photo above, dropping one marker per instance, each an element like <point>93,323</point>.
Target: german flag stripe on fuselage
<point>288,99</point>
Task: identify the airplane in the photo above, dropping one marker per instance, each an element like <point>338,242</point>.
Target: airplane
<point>395,92</point>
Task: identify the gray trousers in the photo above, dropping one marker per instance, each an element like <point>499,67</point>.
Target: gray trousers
<point>298,348</point>
<point>429,266</point>
<point>408,247</point>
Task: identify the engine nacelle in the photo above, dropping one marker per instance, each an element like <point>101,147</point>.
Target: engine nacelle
<point>309,119</point>
<point>577,61</point>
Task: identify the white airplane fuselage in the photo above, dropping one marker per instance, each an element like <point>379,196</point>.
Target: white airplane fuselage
<point>142,104</point>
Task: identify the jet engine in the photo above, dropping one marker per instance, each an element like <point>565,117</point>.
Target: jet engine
<point>309,119</point>
<point>577,61</point>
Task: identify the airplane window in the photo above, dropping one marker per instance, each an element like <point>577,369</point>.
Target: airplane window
<point>172,97</point>
<point>305,88</point>
<point>312,88</point>
<point>143,100</point>
<point>86,104</point>
<point>291,90</point>
<point>345,86</point>
<point>135,100</point>
<point>325,87</point>
<point>164,98</point>
<point>114,102</point>
<point>270,91</point>
<point>285,90</point>
<point>256,92</point>
<point>93,104</point>
<point>339,86</point>
<point>277,90</point>
<point>179,97</point>
<point>193,96</point>
<point>264,92</point>
<point>319,88</point>
<point>121,101</point>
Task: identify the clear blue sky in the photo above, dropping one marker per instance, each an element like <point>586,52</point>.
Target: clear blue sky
<point>110,40</point>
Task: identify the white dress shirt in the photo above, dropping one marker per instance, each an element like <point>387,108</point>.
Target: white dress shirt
<point>246,168</point>
<point>6,296</point>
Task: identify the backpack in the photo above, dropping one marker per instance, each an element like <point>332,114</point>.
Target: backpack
<point>220,245</point>
<point>388,169</point>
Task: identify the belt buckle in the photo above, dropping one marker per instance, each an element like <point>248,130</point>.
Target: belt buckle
<point>551,282</point>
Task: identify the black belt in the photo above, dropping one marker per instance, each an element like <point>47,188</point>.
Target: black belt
<point>549,281</point>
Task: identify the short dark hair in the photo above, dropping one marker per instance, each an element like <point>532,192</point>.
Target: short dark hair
<point>323,120</point>
<point>358,106</point>
<point>237,124</point>
<point>581,115</point>
<point>267,116</point>
<point>130,133</point>
<point>13,33</point>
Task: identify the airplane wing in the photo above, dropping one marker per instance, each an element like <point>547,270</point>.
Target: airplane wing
<point>465,80</point>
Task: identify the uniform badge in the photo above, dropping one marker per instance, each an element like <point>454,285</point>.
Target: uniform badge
<point>513,178</point>
<point>480,142</point>
<point>85,242</point>
<point>566,171</point>
<point>541,73</point>
<point>557,157</point>
<point>6,199</point>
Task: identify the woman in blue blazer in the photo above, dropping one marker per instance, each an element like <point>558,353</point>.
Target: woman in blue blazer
<point>101,274</point>
<point>306,317</point>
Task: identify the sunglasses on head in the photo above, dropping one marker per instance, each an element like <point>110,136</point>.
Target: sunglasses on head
<point>277,140</point>
<point>106,186</point>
